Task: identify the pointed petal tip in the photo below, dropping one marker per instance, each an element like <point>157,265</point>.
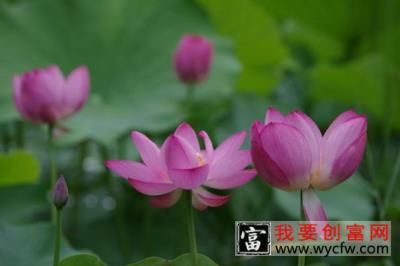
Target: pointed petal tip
<point>208,145</point>
<point>242,134</point>
<point>364,117</point>
<point>350,113</point>
<point>110,163</point>
<point>256,127</point>
<point>135,134</point>
<point>343,118</point>
<point>83,67</point>
<point>83,72</point>
<point>184,124</point>
<point>16,77</point>
<point>148,150</point>
<point>273,115</point>
<point>135,170</point>
<point>186,132</point>
<point>54,67</point>
<point>272,109</point>
<point>173,138</point>
<point>202,134</point>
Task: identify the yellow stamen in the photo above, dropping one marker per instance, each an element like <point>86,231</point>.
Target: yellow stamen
<point>201,159</point>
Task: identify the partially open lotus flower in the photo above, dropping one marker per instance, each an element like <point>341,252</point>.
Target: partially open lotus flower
<point>45,96</point>
<point>290,153</point>
<point>181,164</point>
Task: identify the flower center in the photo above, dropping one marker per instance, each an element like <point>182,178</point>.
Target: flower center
<point>201,159</point>
<point>315,176</point>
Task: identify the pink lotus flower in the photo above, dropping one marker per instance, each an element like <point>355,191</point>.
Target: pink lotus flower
<point>291,154</point>
<point>193,58</point>
<point>181,164</point>
<point>45,96</point>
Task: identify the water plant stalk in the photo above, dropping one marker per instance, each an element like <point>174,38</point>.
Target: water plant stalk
<point>301,261</point>
<point>52,163</point>
<point>190,226</point>
<point>57,245</point>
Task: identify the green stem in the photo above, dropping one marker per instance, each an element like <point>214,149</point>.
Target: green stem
<point>53,170</point>
<point>19,134</point>
<point>189,101</point>
<point>390,187</point>
<point>58,239</point>
<point>190,91</point>
<point>301,259</point>
<point>190,226</point>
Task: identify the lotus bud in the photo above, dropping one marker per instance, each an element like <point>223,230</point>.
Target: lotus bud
<point>60,193</point>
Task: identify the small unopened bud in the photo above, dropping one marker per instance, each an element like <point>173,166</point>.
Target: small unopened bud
<point>60,193</point>
<point>193,58</point>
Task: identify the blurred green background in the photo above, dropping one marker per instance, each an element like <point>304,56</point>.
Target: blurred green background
<point>321,57</point>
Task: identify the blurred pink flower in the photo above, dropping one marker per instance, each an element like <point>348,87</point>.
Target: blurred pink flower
<point>45,96</point>
<point>181,164</point>
<point>290,153</point>
<point>193,58</point>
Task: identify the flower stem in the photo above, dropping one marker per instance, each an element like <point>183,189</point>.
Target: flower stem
<point>190,91</point>
<point>189,101</point>
<point>53,170</point>
<point>301,259</point>
<point>390,187</point>
<point>190,226</point>
<point>58,239</point>
<point>19,134</point>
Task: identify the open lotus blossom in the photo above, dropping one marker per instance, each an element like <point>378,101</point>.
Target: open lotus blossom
<point>180,164</point>
<point>45,96</point>
<point>193,58</point>
<point>290,153</point>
